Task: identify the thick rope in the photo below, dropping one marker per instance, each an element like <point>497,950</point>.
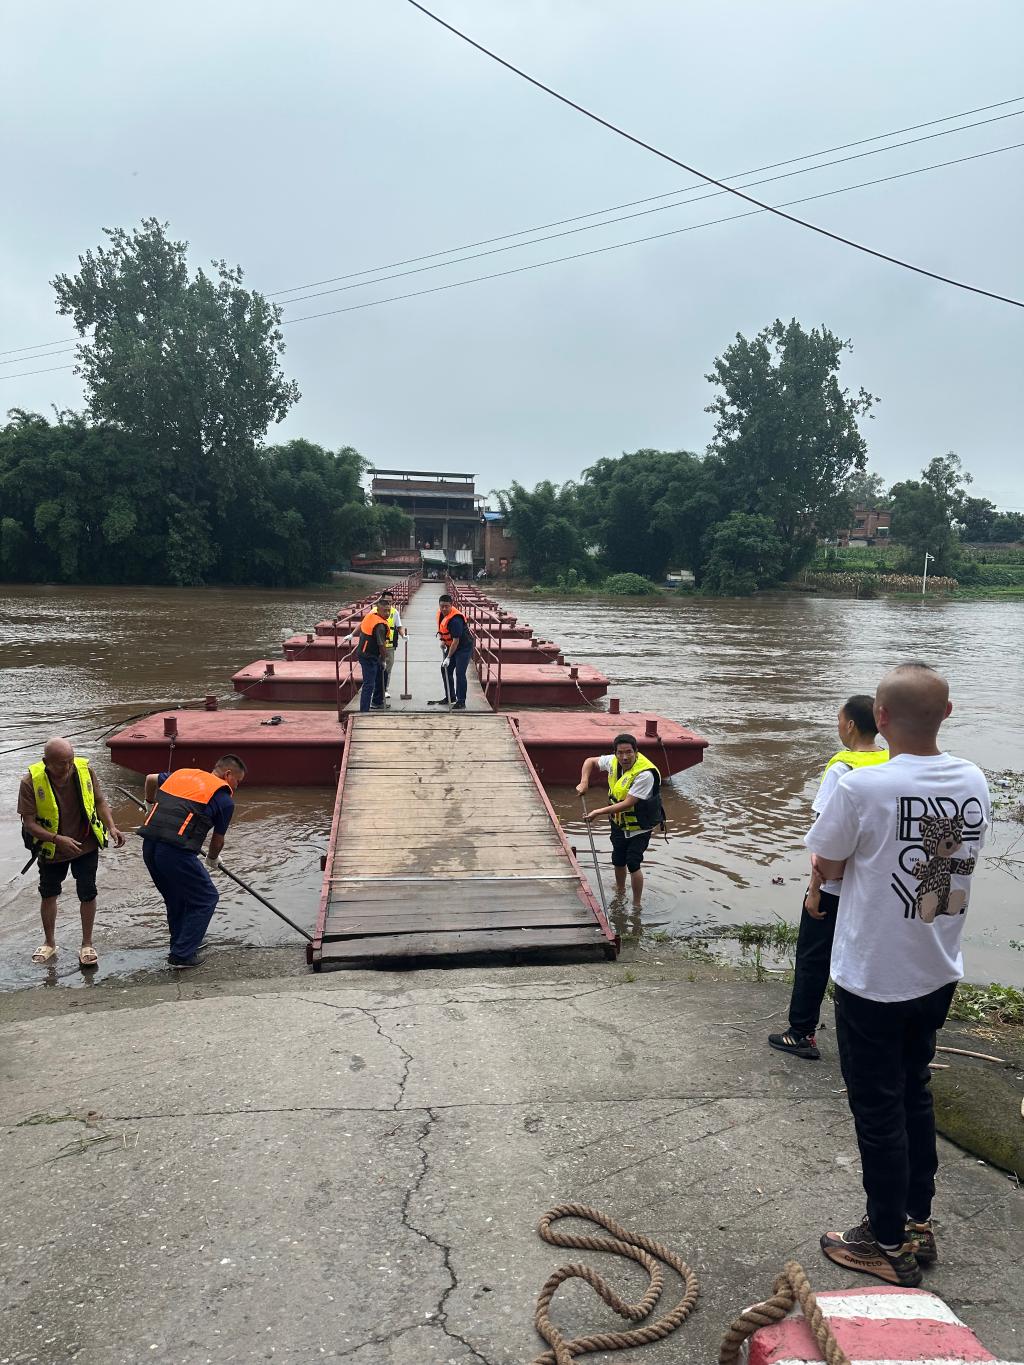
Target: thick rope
<point>790,1287</point>
<point>622,1242</point>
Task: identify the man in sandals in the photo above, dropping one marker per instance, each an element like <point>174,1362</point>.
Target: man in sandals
<point>66,821</point>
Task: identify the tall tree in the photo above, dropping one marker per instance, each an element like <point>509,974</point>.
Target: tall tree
<point>545,523</point>
<point>639,509</point>
<point>977,517</point>
<point>186,365</point>
<point>866,489</point>
<point>786,432</point>
<point>926,512</point>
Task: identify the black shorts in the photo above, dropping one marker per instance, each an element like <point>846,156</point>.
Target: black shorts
<point>629,853</point>
<point>83,869</point>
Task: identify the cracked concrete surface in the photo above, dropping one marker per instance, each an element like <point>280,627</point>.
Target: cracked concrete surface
<point>351,1167</point>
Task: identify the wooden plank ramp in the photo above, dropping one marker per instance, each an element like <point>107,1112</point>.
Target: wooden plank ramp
<point>444,844</point>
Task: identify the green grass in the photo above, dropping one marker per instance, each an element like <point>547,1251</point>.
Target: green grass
<point>993,1004</point>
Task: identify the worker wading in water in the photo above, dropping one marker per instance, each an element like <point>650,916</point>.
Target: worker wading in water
<point>185,806</point>
<point>65,820</point>
<point>634,791</point>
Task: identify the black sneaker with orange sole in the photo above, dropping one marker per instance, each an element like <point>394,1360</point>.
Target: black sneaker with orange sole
<point>922,1236</point>
<point>796,1044</point>
<point>857,1250</point>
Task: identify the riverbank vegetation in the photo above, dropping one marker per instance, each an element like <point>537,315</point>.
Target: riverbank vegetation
<point>165,477</point>
<point>783,473</point>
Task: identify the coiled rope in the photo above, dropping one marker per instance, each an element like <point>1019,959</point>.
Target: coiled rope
<point>790,1287</point>
<point>622,1242</point>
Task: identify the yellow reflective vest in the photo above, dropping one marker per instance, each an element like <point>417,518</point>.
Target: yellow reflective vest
<point>857,758</point>
<point>619,784</point>
<point>392,629</point>
<point>48,812</point>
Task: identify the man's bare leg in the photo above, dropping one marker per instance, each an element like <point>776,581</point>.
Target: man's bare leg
<point>636,882</point>
<point>88,920</point>
<point>620,881</point>
<point>48,914</point>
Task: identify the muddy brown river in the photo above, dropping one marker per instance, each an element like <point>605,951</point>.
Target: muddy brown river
<point>760,679</point>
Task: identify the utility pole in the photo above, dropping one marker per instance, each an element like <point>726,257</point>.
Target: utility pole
<point>924,579</point>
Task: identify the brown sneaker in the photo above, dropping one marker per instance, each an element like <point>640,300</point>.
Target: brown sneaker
<point>858,1250</point>
<point>922,1236</point>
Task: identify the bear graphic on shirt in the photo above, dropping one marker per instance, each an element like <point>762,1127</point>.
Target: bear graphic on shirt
<point>940,838</point>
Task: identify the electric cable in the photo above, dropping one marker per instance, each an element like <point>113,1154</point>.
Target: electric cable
<point>615,246</point>
<point>711,180</point>
<point>654,237</point>
<point>641,213</point>
<point>21,358</point>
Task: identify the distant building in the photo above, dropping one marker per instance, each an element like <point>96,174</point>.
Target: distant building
<point>869,526</point>
<point>499,549</point>
<point>443,507</point>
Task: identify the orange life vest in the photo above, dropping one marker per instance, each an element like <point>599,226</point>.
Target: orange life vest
<point>180,816</point>
<point>465,639</point>
<point>367,626</point>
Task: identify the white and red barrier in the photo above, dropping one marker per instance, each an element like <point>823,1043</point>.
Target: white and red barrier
<point>883,1326</point>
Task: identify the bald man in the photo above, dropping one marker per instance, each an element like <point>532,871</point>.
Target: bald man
<point>66,820</point>
<point>905,838</point>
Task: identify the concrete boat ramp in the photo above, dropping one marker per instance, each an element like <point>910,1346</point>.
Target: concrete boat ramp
<point>349,1167</point>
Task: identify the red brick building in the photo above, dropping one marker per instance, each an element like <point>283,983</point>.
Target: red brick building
<point>499,549</point>
<point>869,526</point>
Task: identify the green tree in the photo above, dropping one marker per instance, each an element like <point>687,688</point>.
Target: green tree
<point>977,516</point>
<point>786,435</point>
<point>926,513</point>
<point>188,366</point>
<point>545,523</point>
<point>637,509</point>
<point>1008,526</point>
<point>865,489</point>
<point>747,553</point>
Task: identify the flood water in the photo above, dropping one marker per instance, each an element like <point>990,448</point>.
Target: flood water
<point>761,680</point>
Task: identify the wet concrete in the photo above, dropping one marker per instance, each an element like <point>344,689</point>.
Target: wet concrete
<point>351,1166</point>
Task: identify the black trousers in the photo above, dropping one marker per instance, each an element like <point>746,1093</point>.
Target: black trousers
<point>810,975</point>
<point>885,1051</point>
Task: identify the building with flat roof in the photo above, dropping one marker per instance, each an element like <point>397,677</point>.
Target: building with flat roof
<point>444,509</point>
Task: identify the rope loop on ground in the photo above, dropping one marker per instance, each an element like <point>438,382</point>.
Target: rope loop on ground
<point>645,1251</point>
<point>790,1287</point>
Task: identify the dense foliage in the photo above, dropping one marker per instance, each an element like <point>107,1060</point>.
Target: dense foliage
<point>165,479</point>
<point>86,503</point>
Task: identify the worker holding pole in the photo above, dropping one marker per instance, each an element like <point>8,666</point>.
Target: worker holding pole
<point>393,617</point>
<point>634,809</point>
<point>184,806</point>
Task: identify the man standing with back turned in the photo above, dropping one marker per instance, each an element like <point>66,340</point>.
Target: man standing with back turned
<point>904,836</point>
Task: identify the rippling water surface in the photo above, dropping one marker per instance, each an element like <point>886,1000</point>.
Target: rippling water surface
<point>761,679</point>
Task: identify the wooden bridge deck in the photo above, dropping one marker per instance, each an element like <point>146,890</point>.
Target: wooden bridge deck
<point>443,842</point>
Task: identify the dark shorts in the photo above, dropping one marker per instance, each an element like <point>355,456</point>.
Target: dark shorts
<point>629,853</point>
<point>83,869</point>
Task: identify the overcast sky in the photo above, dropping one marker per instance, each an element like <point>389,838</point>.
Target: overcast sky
<point>312,140</point>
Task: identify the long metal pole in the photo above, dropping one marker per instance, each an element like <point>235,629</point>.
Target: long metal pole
<point>407,695</point>
<point>263,901</point>
<point>337,669</point>
<point>497,699</point>
<point>593,851</point>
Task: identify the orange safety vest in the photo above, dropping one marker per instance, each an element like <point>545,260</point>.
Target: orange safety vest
<point>367,626</point>
<point>179,816</point>
<point>446,635</point>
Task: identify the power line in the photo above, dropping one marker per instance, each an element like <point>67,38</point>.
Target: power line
<point>594,213</point>
<point>692,170</point>
<point>655,237</point>
<point>652,198</point>
<point>617,246</point>
<point>641,213</point>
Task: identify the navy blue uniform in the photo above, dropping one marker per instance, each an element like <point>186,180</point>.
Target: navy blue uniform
<point>183,881</point>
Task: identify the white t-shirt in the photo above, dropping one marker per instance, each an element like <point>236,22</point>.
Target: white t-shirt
<point>828,783</point>
<point>910,830</point>
<point>641,786</point>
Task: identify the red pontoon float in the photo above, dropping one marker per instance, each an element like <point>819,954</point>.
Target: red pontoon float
<point>298,680</point>
<point>544,684</point>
